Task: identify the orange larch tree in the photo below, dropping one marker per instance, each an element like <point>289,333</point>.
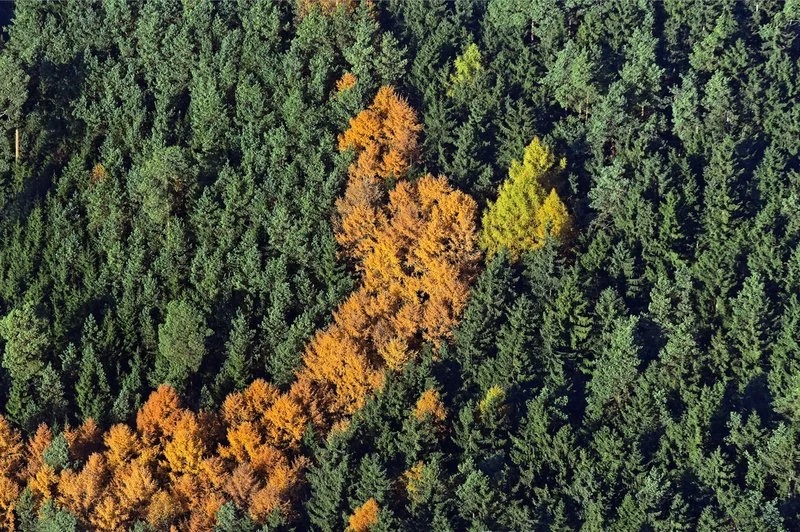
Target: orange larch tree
<point>159,415</point>
<point>429,406</point>
<point>364,517</point>
<point>346,82</point>
<point>122,445</point>
<point>384,137</point>
<point>34,451</point>
<point>11,464</point>
<point>81,491</point>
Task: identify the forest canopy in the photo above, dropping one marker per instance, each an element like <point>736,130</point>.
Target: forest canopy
<point>379,265</point>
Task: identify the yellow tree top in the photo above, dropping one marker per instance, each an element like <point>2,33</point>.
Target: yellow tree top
<point>525,213</point>
<point>467,67</point>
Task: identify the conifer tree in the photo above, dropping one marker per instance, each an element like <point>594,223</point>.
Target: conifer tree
<point>181,343</point>
<point>467,66</point>
<point>615,369</point>
<point>238,352</point>
<point>92,390</point>
<point>525,213</point>
<point>27,341</point>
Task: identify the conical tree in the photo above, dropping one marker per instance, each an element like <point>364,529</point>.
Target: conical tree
<point>525,214</point>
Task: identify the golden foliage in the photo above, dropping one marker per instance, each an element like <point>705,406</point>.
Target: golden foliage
<point>135,486</point>
<point>9,492</point>
<point>11,451</point>
<point>418,256</point>
<point>122,445</point>
<point>186,490</point>
<point>525,214</point>
<point>314,405</point>
<point>107,515</point>
<point>339,427</point>
<point>339,366</point>
<point>429,406</point>
<point>204,514</point>
<point>34,451</point>
<point>213,473</point>
<point>281,487</point>
<point>418,263</point>
<point>162,510</point>
<point>259,396</point>
<point>159,415</point>
<point>266,458</point>
<point>250,404</point>
<point>364,517</point>
<point>286,422</point>
<point>243,443</point>
<point>184,451</point>
<point>346,82</point>
<point>44,482</point>
<point>395,353</point>
<point>384,137</point>
<point>412,478</point>
<point>436,224</point>
<point>80,492</point>
<point>359,215</point>
<point>264,502</point>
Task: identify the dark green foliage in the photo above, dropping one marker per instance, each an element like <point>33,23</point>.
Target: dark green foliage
<point>51,518</point>
<point>170,221</point>
<point>229,519</point>
<point>326,507</point>
<point>634,385</point>
<point>57,453</point>
<point>164,190</point>
<point>92,391</point>
<point>236,369</point>
<point>25,511</point>
<point>26,342</point>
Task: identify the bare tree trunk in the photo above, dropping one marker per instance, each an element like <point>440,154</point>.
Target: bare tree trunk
<point>16,142</point>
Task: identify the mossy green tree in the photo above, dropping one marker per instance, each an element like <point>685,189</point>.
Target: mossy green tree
<point>181,343</point>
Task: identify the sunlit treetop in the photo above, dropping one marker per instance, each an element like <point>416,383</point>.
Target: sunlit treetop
<point>525,213</point>
<point>467,66</point>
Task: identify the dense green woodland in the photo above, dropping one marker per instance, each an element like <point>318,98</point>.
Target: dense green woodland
<point>169,220</point>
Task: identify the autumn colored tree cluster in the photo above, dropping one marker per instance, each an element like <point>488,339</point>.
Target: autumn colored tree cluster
<point>417,256</point>
<point>170,469</point>
<point>12,460</point>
